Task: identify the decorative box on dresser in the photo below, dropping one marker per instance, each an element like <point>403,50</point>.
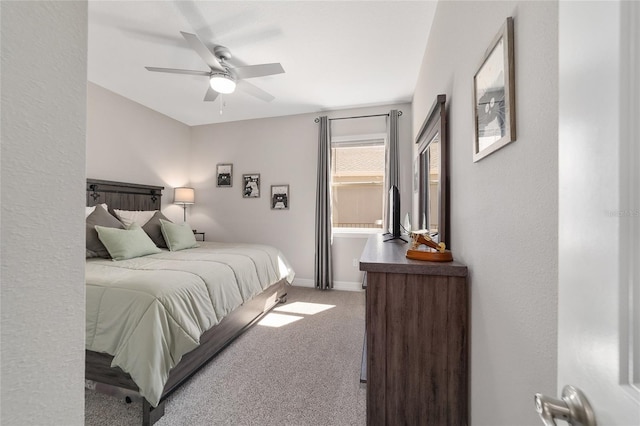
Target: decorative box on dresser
<point>416,337</point>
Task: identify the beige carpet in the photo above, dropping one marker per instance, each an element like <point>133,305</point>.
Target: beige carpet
<point>305,372</point>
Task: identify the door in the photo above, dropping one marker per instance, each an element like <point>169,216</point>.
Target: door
<point>599,208</point>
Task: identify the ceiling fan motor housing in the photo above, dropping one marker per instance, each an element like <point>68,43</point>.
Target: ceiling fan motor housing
<point>222,53</point>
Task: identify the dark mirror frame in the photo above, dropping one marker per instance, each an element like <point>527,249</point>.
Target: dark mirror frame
<point>434,125</point>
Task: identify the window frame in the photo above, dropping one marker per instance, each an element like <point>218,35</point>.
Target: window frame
<point>368,139</point>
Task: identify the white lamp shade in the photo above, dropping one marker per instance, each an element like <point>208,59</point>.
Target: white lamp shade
<point>184,195</point>
<point>222,83</point>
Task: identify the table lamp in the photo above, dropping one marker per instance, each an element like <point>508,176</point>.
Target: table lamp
<point>184,196</point>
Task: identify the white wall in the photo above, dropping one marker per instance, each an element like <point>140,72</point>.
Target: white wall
<point>504,208</point>
<point>44,72</point>
<point>128,142</point>
<point>284,151</point>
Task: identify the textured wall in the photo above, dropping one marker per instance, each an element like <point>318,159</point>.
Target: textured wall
<point>504,222</point>
<point>128,142</point>
<point>44,56</point>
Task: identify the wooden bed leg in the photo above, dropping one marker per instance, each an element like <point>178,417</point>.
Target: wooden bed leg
<point>150,415</point>
<point>282,298</point>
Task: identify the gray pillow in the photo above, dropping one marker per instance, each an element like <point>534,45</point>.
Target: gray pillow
<point>99,217</point>
<point>154,231</point>
<point>178,237</point>
<point>126,243</point>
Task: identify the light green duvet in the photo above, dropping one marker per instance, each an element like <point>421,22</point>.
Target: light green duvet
<point>149,311</point>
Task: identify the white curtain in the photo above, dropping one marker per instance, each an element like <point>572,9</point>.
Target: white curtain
<point>323,264</point>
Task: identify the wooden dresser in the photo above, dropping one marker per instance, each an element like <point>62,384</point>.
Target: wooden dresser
<point>416,338</point>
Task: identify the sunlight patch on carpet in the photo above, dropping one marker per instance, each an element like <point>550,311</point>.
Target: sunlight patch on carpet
<point>304,308</point>
<point>278,320</point>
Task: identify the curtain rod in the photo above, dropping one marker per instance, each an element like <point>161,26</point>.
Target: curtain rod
<point>317,119</point>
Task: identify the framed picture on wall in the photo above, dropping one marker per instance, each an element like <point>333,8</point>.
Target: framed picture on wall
<point>494,95</point>
<point>280,197</point>
<point>224,175</point>
<point>251,185</point>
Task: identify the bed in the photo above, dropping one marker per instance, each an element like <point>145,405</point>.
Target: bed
<point>154,320</point>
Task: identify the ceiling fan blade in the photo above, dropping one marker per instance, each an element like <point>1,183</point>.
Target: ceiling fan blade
<point>211,95</point>
<point>178,71</point>
<point>261,70</point>
<point>202,50</point>
<point>255,91</point>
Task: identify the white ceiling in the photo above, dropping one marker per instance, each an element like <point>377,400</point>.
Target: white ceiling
<point>336,54</point>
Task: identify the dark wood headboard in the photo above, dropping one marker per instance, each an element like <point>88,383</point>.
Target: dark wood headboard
<point>123,196</point>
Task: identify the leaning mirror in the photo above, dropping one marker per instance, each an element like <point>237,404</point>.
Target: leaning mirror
<point>433,199</point>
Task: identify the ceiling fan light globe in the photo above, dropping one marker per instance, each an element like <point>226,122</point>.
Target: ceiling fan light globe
<point>222,83</point>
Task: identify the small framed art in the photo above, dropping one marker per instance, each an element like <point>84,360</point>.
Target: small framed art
<point>224,175</point>
<point>494,107</point>
<point>251,185</point>
<point>279,197</point>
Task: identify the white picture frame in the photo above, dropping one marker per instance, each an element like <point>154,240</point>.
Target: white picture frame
<point>494,108</point>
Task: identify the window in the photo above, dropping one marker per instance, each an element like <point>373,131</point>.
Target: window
<point>357,181</point>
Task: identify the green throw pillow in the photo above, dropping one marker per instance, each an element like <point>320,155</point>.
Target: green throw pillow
<point>126,243</point>
<point>178,236</point>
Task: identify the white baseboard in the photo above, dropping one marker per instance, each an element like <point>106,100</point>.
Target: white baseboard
<point>337,285</point>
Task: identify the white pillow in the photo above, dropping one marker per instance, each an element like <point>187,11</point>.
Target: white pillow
<point>89,210</point>
<point>141,217</point>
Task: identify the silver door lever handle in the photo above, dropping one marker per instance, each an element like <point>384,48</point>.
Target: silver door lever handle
<point>573,408</point>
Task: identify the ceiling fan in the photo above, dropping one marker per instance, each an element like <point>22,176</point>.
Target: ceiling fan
<point>222,77</point>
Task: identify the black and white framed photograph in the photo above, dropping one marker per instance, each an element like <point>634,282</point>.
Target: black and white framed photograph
<point>224,175</point>
<point>251,185</point>
<point>494,95</point>
<point>280,197</point>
